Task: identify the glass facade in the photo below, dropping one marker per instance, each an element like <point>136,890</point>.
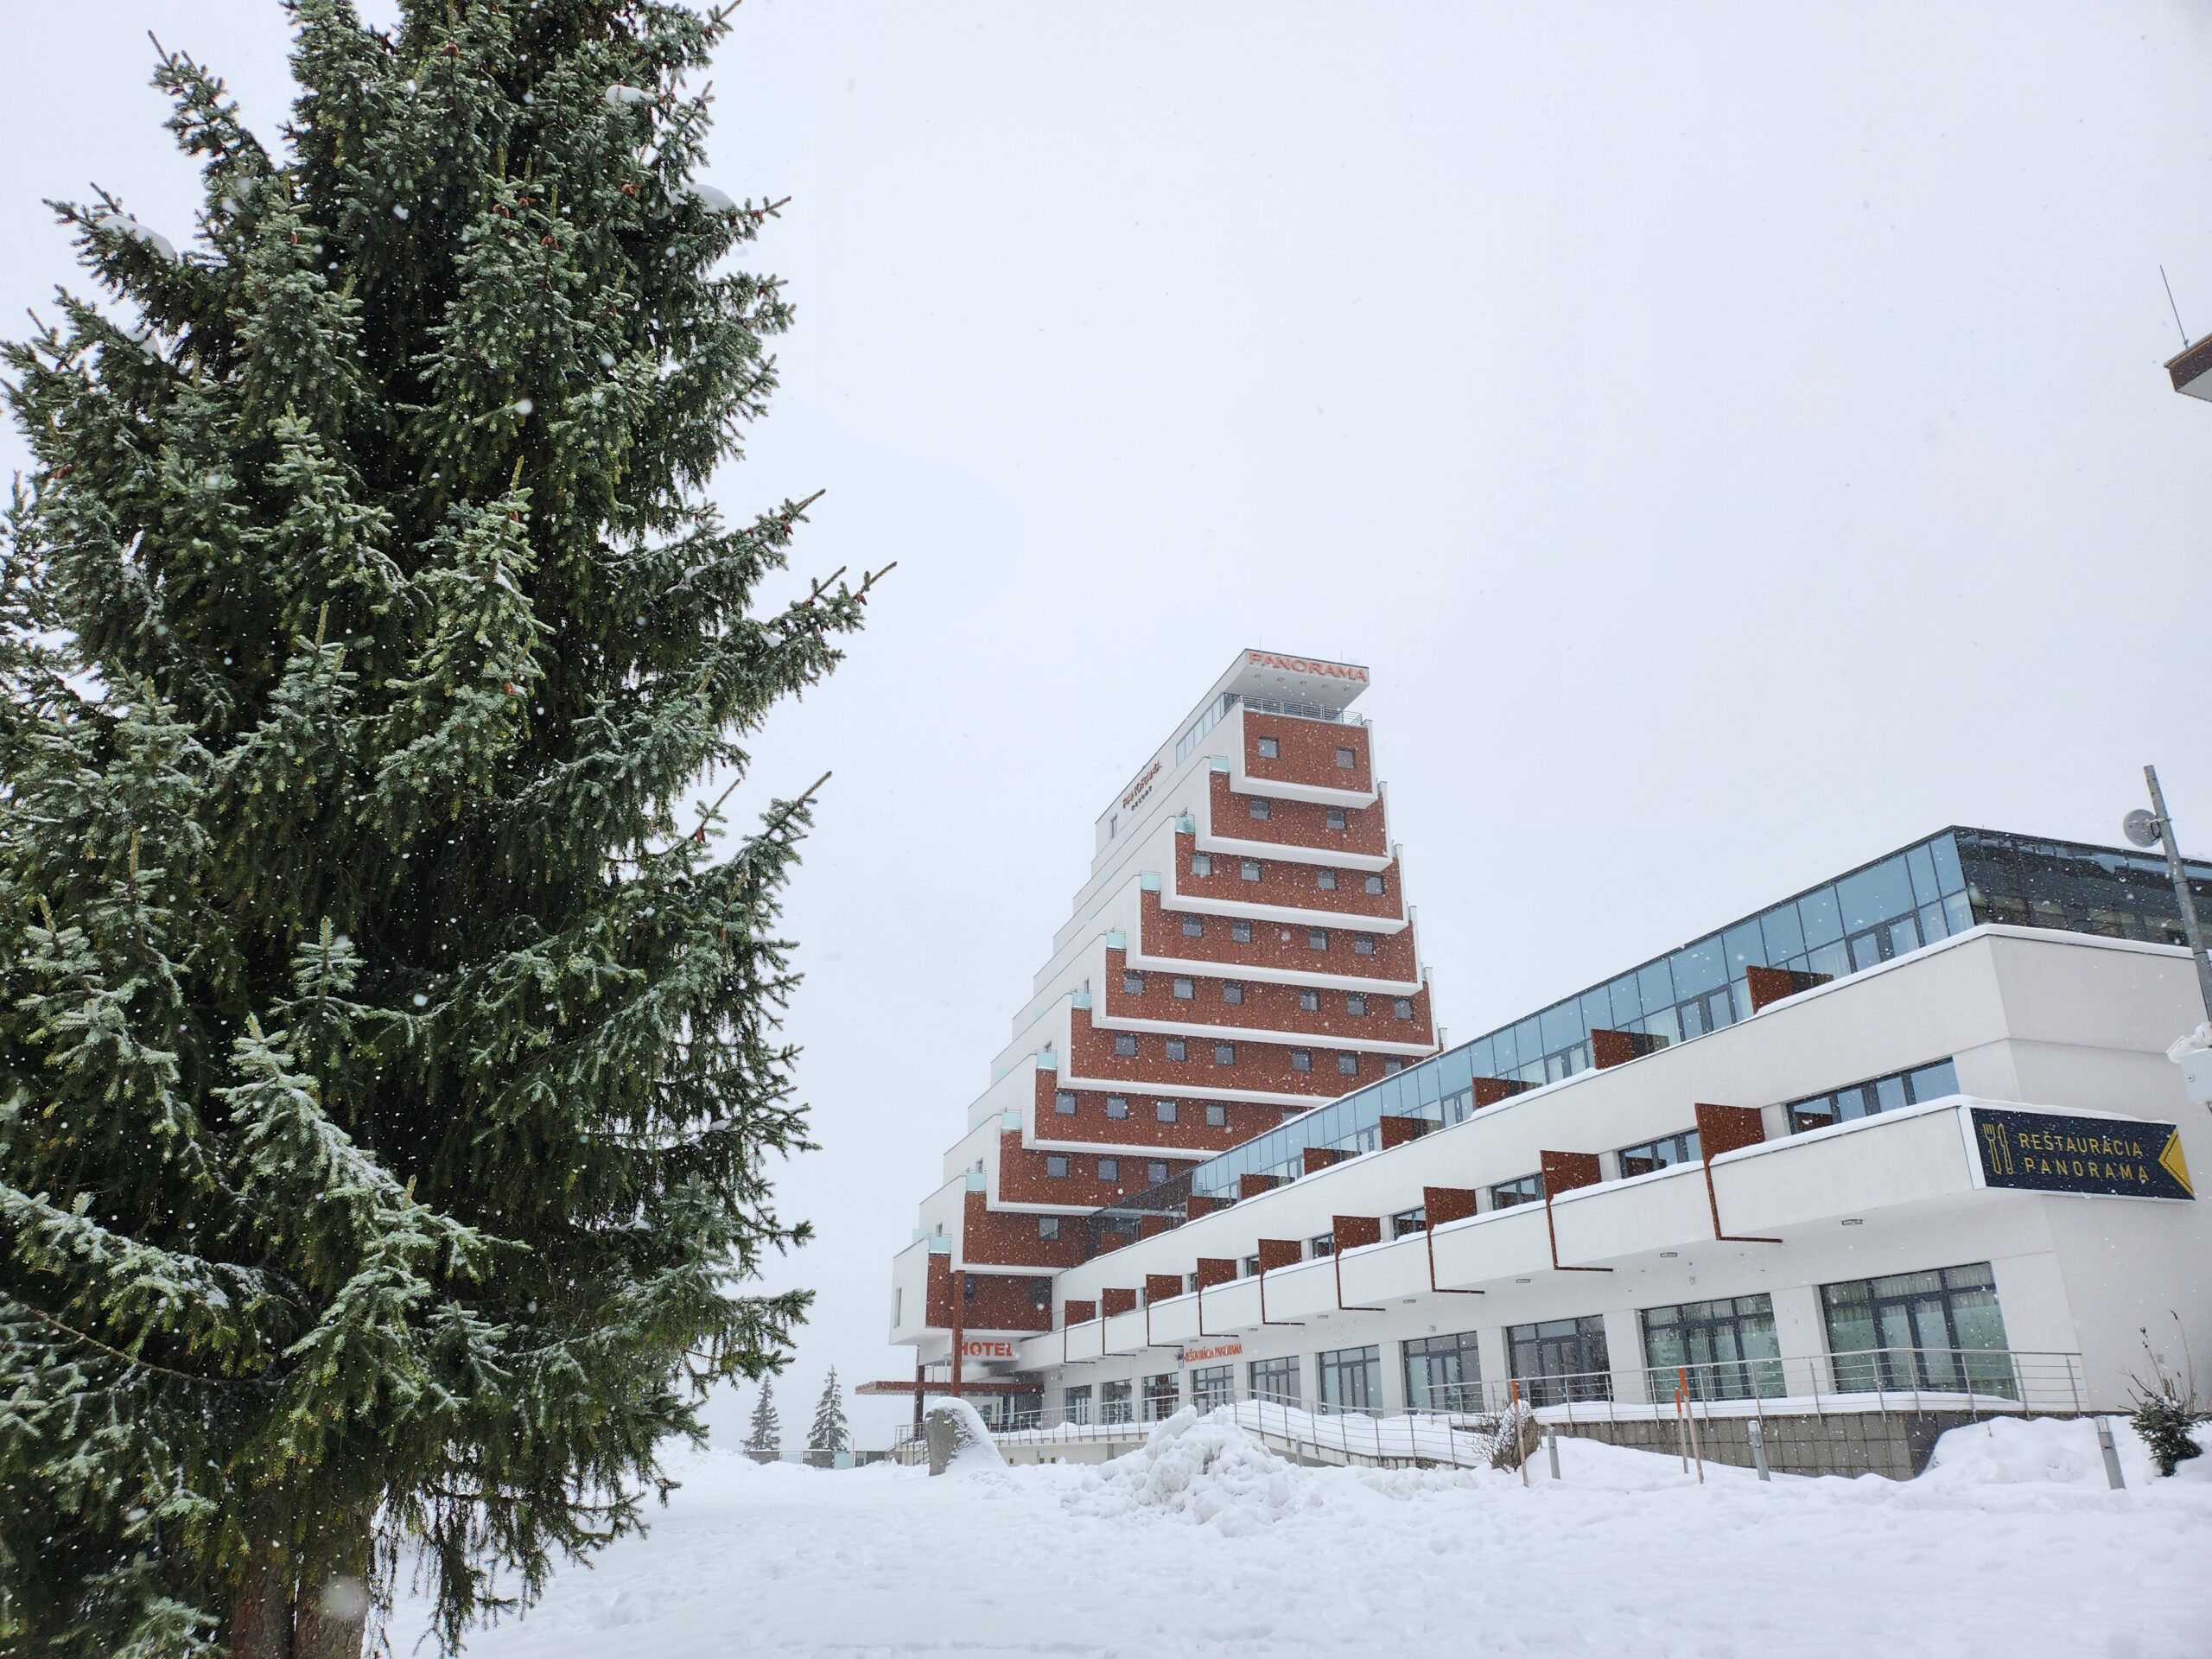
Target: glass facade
<point>1351,1379</point>
<point>1958,879</point>
<point>1276,1380</point>
<point>1444,1373</point>
<point>1560,1360</point>
<point>1213,1385</point>
<point>1162,1395</point>
<point>1075,1404</point>
<point>1929,1082</point>
<point>1939,1330</point>
<point>1114,1401</point>
<point>1724,1349</point>
<point>1658,1154</point>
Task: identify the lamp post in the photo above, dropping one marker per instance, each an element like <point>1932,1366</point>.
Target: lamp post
<point>2151,829</point>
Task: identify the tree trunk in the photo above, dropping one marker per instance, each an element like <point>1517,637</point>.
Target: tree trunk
<point>333,1613</point>
<point>261,1612</point>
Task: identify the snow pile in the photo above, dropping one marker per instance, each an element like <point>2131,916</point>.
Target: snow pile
<point>972,1447</point>
<point>2045,1451</point>
<point>1207,1471</point>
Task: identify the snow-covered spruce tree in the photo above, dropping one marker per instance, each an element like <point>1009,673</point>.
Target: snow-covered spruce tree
<point>388,1061</point>
<point>828,1433</point>
<point>765,1434</point>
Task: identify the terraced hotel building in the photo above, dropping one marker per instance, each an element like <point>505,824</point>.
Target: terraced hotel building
<point>1242,953</point>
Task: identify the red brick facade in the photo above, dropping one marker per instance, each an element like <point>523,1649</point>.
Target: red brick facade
<point>1190,1134</point>
<point>1268,1006</point>
<point>1287,883</point>
<point>1269,1068</point>
<point>1294,823</point>
<point>1306,752</point>
<point>1282,947</point>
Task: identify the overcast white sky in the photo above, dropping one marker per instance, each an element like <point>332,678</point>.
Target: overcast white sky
<point>1735,438</point>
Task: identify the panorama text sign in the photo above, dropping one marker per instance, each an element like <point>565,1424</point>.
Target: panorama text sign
<point>2049,1154</point>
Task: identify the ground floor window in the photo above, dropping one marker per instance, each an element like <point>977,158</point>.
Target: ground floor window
<point>1724,1349</point>
<point>1162,1395</point>
<point>1444,1373</point>
<point>1114,1401</point>
<point>1351,1379</point>
<point>1276,1380</point>
<point>1560,1360</point>
<point>1075,1404</point>
<point>1941,1329</point>
<point>1213,1385</point>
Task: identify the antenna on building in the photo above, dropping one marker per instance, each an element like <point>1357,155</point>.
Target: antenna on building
<point>2177,309</point>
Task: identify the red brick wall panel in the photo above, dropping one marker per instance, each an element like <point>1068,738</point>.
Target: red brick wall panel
<point>1276,945</point>
<point>1267,1006</point>
<point>1002,1301</point>
<point>1307,752</point>
<point>1022,1177</point>
<point>1258,1066</point>
<point>1288,882</point>
<point>1294,823</point>
<point>1008,1238</point>
<point>1190,1134</point>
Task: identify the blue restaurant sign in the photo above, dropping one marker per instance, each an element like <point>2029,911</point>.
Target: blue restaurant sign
<point>2120,1156</point>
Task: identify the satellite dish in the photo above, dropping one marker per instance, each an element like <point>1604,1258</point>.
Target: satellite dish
<point>2141,827</point>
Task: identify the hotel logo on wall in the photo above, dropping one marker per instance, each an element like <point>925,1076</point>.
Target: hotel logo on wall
<point>2115,1156</point>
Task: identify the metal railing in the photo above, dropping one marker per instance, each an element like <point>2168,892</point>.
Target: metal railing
<point>1458,1422</point>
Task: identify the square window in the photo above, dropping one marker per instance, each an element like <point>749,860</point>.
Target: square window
<point>1335,818</point>
<point>1270,749</point>
<point>1224,1054</point>
<point>1260,807</point>
<point>1178,1049</point>
<point>1232,993</point>
<point>1125,1044</point>
<point>1325,880</point>
<point>1363,944</point>
<point>1376,884</point>
<point>1301,1059</point>
<point>1346,761</point>
<point>1217,1116</point>
<point>1240,932</point>
<point>1356,1005</point>
<point>1117,1105</point>
<point>1064,1102</point>
<point>1317,938</point>
<point>1194,927</point>
<point>1133,982</point>
<point>1349,1064</point>
<point>1155,1172</point>
<point>1201,863</point>
<point>1109,1169</point>
<point>1056,1166</point>
<point>1402,1007</point>
<point>1165,1110</point>
<point>1048,1226</point>
<point>1309,1002</point>
<point>1251,870</point>
<point>1185,989</point>
<point>1392,1067</point>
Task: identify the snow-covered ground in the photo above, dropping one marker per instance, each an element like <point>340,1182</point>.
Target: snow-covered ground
<point>2011,1545</point>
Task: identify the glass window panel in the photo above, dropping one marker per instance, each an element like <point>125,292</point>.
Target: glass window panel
<point>1663,1022</point>
<point>1875,896</point>
<point>1455,1071</point>
<point>1698,967</point>
<point>1950,878</point>
<point>1904,936</point>
<point>1865,951</point>
<point>1785,936</point>
<point>1427,1085</point>
<point>1834,960</point>
<point>1889,1094</point>
<point>1934,1082</point>
<point>1627,1005</point>
<point>1922,865</point>
<point>1957,911</point>
<point>1745,948</point>
<point>1597,1010</point>
<point>1932,924</point>
<point>1508,1052</point>
<point>1530,1040</point>
<point>1656,984</point>
<point>1561,1027</point>
<point>1816,912</point>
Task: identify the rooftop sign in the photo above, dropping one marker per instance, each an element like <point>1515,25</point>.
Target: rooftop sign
<point>1306,665</point>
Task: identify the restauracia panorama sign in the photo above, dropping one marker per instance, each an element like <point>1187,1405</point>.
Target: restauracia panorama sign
<point>2113,1156</point>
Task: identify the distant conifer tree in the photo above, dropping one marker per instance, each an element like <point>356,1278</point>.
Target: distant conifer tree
<point>766,1433</point>
<point>388,1060</point>
<point>828,1433</point>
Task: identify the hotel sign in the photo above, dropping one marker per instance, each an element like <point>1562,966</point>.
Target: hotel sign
<point>2115,1156</point>
<point>986,1348</point>
<point>1305,665</point>
<point>1142,788</point>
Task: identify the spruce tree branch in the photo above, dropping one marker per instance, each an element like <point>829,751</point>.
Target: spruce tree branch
<point>134,1361</point>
